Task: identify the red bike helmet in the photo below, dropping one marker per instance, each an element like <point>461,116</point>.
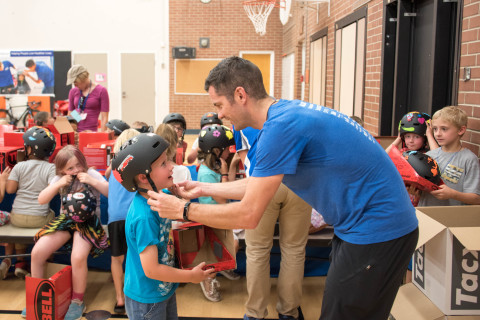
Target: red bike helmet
<point>79,206</point>
<point>136,157</point>
<point>424,165</point>
<point>215,136</point>
<point>210,118</point>
<point>414,122</point>
<point>41,140</point>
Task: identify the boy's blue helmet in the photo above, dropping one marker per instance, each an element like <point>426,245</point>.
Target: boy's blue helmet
<point>414,122</point>
<point>41,140</point>
<point>136,157</point>
<point>215,136</point>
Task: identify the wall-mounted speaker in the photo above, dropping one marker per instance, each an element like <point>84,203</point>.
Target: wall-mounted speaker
<point>183,53</point>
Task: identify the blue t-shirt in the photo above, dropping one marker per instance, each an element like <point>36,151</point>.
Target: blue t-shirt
<point>205,174</point>
<point>119,200</point>
<point>6,74</point>
<point>144,228</point>
<point>44,73</point>
<point>337,167</point>
<point>246,139</point>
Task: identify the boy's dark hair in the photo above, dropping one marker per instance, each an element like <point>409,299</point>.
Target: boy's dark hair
<point>29,63</point>
<point>234,72</point>
<point>40,118</point>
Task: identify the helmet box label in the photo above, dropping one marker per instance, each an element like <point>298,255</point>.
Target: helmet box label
<point>49,298</point>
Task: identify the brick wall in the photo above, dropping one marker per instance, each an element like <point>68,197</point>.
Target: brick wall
<point>230,31</point>
<point>314,21</point>
<point>469,91</point>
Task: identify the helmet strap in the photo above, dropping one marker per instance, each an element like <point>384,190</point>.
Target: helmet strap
<point>152,184</point>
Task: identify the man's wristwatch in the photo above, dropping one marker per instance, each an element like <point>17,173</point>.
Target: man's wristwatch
<point>185,211</point>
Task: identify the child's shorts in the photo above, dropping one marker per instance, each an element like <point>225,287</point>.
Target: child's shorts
<point>118,241</point>
<point>28,221</point>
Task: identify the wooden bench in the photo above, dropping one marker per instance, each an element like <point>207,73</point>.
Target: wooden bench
<point>12,234</point>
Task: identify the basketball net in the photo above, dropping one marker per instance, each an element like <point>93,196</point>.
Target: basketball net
<point>258,12</point>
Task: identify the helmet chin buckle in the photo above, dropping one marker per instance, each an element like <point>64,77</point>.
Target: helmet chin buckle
<point>152,184</point>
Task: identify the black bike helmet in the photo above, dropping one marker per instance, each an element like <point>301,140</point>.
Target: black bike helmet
<point>176,117</point>
<point>414,122</point>
<point>136,157</point>
<point>145,129</point>
<point>118,126</point>
<point>424,165</point>
<point>41,140</point>
<point>79,206</point>
<point>210,118</point>
<point>215,136</point>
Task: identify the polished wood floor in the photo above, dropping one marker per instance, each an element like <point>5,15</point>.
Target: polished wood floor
<point>191,302</point>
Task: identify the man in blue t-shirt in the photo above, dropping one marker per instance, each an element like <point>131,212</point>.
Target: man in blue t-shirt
<point>44,73</point>
<point>6,79</point>
<point>334,165</point>
<point>293,215</point>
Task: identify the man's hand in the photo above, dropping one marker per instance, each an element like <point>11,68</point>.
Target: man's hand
<point>167,206</point>
<point>198,274</point>
<point>188,189</point>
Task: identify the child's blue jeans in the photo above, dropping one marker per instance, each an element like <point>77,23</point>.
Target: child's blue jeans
<point>145,311</point>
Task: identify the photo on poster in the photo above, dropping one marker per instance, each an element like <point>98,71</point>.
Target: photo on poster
<point>26,73</point>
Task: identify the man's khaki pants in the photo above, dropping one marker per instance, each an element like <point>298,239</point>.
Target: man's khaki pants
<point>293,215</point>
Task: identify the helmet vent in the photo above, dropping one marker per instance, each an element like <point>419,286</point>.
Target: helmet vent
<point>156,144</point>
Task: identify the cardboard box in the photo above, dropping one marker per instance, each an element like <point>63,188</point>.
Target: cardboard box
<point>104,156</point>
<point>63,131</point>
<point>13,139</point>
<point>196,243</point>
<point>9,156</point>
<point>411,304</point>
<point>95,157</point>
<point>49,298</point>
<point>5,128</point>
<point>409,175</point>
<point>446,263</point>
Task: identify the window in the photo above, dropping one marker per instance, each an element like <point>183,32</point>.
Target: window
<point>350,38</point>
<point>318,65</point>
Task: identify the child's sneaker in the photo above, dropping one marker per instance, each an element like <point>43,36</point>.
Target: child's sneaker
<point>22,269</point>
<point>4,267</point>
<point>230,274</point>
<point>75,310</point>
<point>210,288</point>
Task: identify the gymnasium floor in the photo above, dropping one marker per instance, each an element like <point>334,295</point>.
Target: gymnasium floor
<point>191,303</point>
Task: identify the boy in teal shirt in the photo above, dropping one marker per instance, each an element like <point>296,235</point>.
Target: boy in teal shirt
<point>150,275</point>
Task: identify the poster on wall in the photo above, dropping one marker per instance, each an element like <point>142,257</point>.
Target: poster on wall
<point>27,73</point>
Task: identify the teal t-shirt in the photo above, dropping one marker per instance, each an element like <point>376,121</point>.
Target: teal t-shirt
<point>205,174</point>
<point>143,228</point>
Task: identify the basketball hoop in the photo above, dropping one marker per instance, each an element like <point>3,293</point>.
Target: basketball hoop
<point>258,12</point>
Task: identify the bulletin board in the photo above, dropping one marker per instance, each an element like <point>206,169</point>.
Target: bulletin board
<point>190,75</point>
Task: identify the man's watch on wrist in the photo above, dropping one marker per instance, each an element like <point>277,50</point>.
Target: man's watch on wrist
<point>185,211</point>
